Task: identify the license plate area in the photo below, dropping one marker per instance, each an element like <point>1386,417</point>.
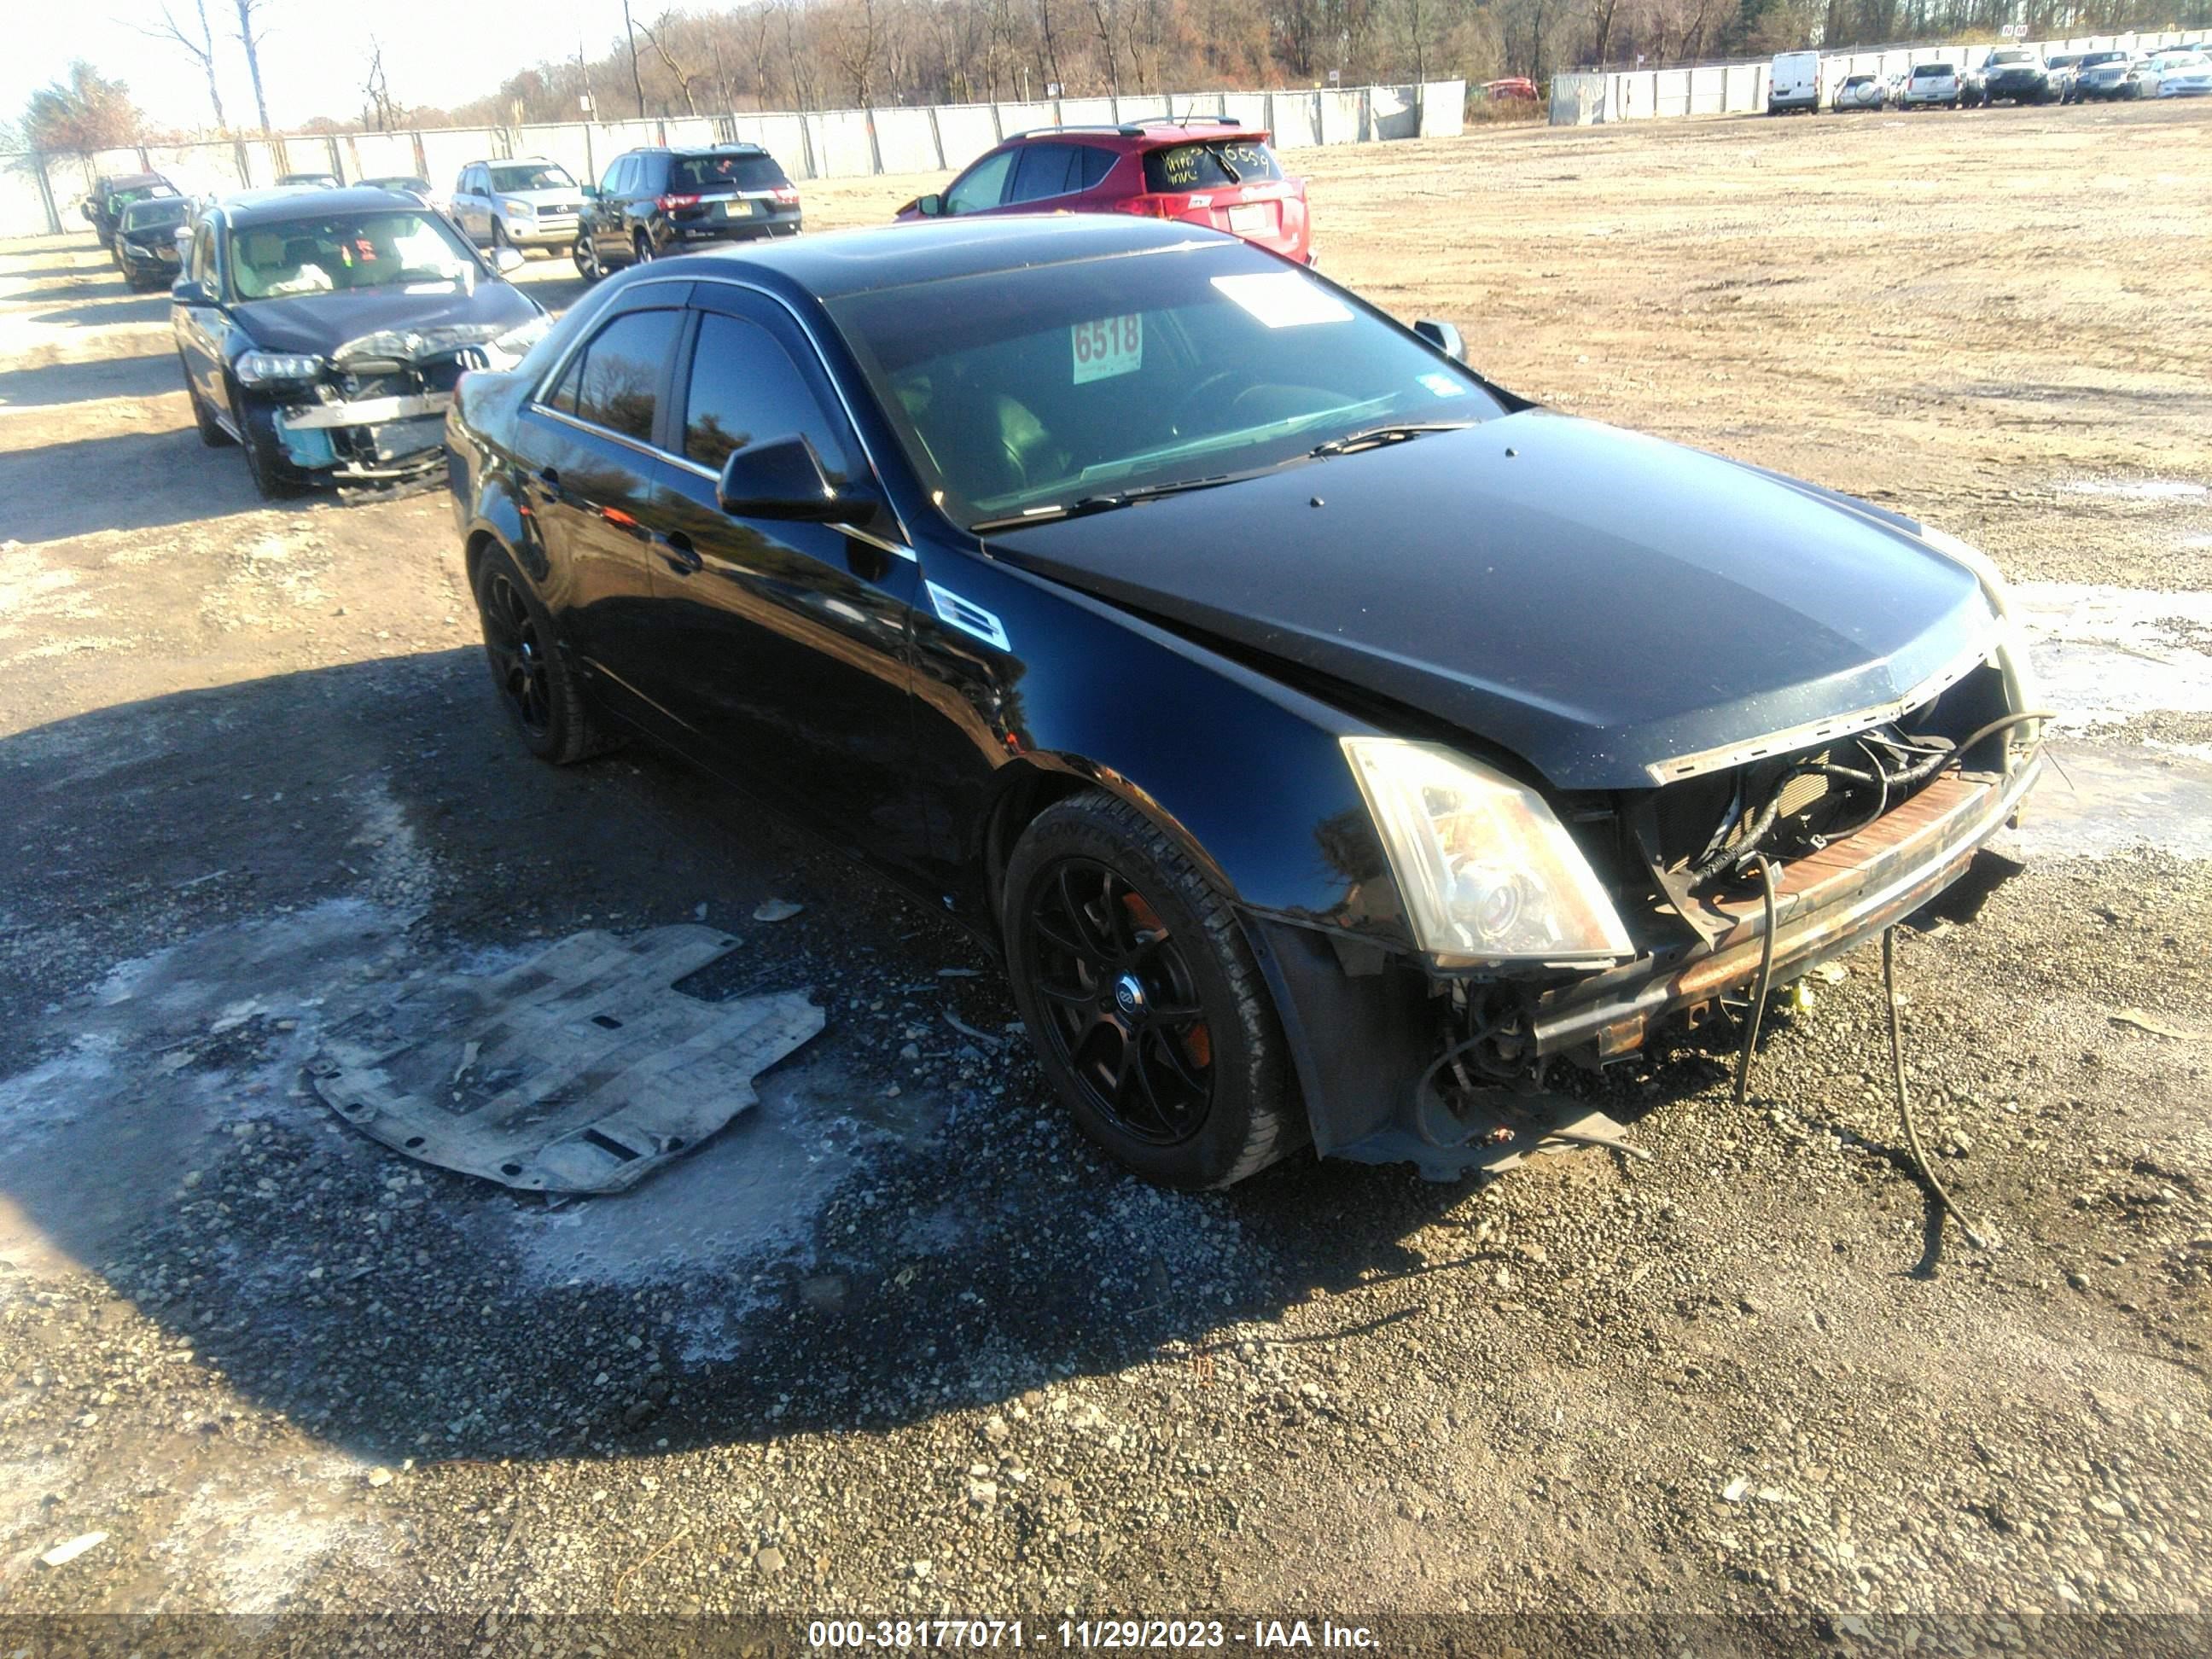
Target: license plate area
<point>1252,219</point>
<point>733,207</point>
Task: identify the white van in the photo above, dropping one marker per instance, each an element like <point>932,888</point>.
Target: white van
<point>1794,82</point>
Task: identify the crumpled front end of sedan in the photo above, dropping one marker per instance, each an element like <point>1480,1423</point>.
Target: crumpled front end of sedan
<point>1572,927</point>
<point>372,415</point>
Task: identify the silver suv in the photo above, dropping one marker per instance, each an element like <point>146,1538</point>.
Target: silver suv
<point>524,203</point>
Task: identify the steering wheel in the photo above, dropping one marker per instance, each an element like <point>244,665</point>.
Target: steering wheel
<point>1184,403</point>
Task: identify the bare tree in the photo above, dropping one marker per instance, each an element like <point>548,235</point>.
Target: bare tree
<point>637,80</point>
<point>658,39</point>
<point>197,45</point>
<point>252,31</point>
<point>381,109</point>
<point>856,38</point>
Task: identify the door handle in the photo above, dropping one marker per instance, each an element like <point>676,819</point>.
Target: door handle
<point>683,558</point>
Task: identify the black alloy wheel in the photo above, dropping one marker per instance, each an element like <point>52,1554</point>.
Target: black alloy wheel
<point>642,245</point>
<point>1123,1009</point>
<point>271,480</point>
<point>586,254</point>
<point>536,685</point>
<point>1143,999</point>
<point>519,652</point>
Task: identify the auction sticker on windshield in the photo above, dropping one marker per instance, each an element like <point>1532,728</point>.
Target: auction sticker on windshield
<point>1283,299</point>
<point>1108,346</point>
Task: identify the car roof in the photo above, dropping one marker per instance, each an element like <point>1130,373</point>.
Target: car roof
<point>1151,135</point>
<point>847,262</point>
<point>700,149</point>
<point>262,207</point>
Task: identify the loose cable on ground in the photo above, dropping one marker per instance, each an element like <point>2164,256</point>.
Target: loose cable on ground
<point>1904,1099</point>
<point>1766,982</point>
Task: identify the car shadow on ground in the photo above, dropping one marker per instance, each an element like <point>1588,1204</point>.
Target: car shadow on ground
<point>53,385</point>
<point>906,1224</point>
<point>83,487</point>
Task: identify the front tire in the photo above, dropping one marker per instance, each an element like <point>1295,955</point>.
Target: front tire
<point>537,685</point>
<point>1142,998</point>
<point>263,464</point>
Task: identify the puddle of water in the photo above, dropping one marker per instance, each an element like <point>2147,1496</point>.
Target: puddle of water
<point>2109,800</point>
<point>2137,489</point>
<point>2103,655</point>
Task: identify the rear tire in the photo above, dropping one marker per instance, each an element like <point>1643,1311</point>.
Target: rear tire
<point>641,248</point>
<point>1142,995</point>
<point>536,684</point>
<point>585,254</point>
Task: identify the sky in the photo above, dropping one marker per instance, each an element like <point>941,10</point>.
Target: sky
<point>313,60</point>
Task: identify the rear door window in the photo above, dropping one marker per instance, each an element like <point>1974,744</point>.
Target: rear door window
<point>1096,163</point>
<point>1212,164</point>
<point>1045,170</point>
<point>615,381</point>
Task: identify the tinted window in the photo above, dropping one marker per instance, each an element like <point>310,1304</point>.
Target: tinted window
<point>154,214</point>
<point>1095,164</point>
<point>699,174</point>
<point>982,187</point>
<point>618,383</point>
<point>1209,164</point>
<point>1043,170</point>
<point>746,390</point>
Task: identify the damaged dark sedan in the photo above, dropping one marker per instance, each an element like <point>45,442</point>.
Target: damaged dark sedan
<point>1331,741</point>
<point>324,333</point>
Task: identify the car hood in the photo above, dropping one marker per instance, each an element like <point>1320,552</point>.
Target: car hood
<point>559,196</point>
<point>1594,601</point>
<point>321,323</point>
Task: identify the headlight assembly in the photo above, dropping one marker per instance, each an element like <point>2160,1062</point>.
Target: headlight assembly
<point>2011,634</point>
<point>521,210</point>
<point>258,368</point>
<point>1485,869</point>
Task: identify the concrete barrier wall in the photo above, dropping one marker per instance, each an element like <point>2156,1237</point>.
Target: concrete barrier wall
<point>966,130</point>
<point>1588,98</point>
<point>830,143</point>
<point>906,141</point>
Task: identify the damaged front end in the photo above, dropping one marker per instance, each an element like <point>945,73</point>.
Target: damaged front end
<point>1861,820</point>
<point>372,415</point>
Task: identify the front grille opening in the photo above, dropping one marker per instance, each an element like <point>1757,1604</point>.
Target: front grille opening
<point>1786,806</point>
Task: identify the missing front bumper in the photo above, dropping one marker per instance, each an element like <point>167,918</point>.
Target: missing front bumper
<point>372,443</point>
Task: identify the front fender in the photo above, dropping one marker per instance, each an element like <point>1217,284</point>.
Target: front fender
<point>1024,677</point>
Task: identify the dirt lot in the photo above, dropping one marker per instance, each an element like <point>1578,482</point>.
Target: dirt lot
<point>897,1341</point>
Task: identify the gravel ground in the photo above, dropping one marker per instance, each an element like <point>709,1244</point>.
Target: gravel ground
<point>897,1341</point>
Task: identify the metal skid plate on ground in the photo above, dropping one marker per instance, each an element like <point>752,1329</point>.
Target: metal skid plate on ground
<point>581,1071</point>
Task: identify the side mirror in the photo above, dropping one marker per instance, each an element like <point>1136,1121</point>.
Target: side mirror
<point>86,209</point>
<point>506,259</point>
<point>182,236</point>
<point>191,291</point>
<point>591,192</point>
<point>782,478</point>
<point>1443,337</point>
<point>930,206</point>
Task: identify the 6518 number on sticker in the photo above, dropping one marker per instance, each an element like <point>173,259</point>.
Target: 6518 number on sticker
<point>1108,347</point>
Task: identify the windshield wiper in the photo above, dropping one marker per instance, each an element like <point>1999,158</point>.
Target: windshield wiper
<point>1084,505</point>
<point>1394,432</point>
<point>1221,160</point>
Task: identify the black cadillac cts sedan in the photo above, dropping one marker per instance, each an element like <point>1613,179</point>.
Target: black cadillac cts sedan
<point>1328,738</point>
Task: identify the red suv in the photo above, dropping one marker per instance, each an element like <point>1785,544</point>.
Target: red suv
<point>1203,170</point>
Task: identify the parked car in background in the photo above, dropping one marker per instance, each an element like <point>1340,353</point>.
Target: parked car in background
<point>1794,82</point>
<point>1930,86</point>
<point>2060,70</point>
<point>404,184</point>
<point>652,202</point>
<point>103,208</point>
<point>1202,170</point>
<point>1973,88</point>
<point>308,181</point>
<point>1312,725</point>
<point>324,332</point>
<point>146,240</point>
<point>1511,86</point>
<point>525,203</point>
<point>2016,75</point>
<point>2182,74</point>
<point>2107,76</point>
<point>1860,91</point>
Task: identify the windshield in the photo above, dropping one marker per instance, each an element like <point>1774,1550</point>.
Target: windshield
<point>2098,59</point>
<point>1997,59</point>
<point>1029,392</point>
<point>131,193</point>
<point>420,185</point>
<point>334,252</point>
<point>534,175</point>
<point>1209,164</point>
<point>154,214</point>
<point>696,174</point>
